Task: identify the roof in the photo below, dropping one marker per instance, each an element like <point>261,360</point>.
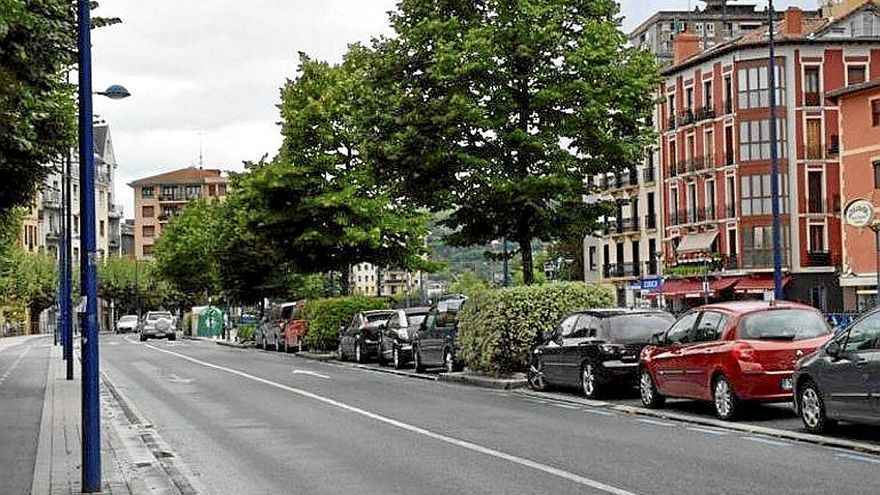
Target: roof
<point>753,306</point>
<point>855,88</point>
<point>183,175</point>
<point>811,27</point>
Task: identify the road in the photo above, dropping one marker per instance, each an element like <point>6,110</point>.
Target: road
<point>257,422</point>
<point>24,362</point>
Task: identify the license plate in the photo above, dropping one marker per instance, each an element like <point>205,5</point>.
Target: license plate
<point>787,384</point>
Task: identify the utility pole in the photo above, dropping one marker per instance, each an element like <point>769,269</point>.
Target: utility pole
<point>67,266</point>
<point>506,280</point>
<point>91,416</point>
<point>774,160</point>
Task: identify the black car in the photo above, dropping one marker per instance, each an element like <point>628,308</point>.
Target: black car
<point>595,349</point>
<point>360,339</point>
<point>435,342</point>
<point>395,342</point>
<point>841,380</point>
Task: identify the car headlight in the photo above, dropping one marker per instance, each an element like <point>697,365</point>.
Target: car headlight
<point>610,349</point>
<point>401,333</point>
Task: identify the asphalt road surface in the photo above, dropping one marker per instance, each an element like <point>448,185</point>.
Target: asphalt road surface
<point>24,362</point>
<point>258,422</point>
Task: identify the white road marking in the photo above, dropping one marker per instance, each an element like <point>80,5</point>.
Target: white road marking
<point>173,378</point>
<point>310,373</point>
<point>767,441</point>
<point>861,458</point>
<point>654,422</point>
<point>575,478</point>
<point>600,412</point>
<point>711,431</point>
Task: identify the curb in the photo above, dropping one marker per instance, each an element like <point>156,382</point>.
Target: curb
<point>840,443</point>
<point>483,381</point>
<point>234,345</point>
<point>392,371</point>
<point>330,356</point>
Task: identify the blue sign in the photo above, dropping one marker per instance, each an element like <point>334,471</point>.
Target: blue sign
<point>651,283</point>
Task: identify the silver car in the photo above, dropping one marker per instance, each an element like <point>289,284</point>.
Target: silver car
<point>126,324</point>
<point>159,324</point>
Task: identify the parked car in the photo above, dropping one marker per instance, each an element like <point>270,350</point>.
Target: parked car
<point>395,338</point>
<point>435,343</point>
<point>360,339</point>
<point>595,350</point>
<point>293,334</point>
<point>161,324</point>
<point>731,353</point>
<point>270,331</point>
<point>128,323</point>
<point>842,380</point>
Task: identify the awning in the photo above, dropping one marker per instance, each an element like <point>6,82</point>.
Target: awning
<point>724,283</point>
<point>693,288</point>
<point>695,243</point>
<point>758,285</point>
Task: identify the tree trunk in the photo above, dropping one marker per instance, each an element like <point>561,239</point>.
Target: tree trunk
<point>345,282</point>
<point>525,246</point>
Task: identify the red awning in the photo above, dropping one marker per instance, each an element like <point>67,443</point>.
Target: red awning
<point>693,288</point>
<point>758,285</point>
<point>724,283</point>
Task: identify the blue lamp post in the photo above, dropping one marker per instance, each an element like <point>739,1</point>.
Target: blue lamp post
<point>774,160</point>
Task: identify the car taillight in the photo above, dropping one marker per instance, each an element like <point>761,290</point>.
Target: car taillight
<point>744,352</point>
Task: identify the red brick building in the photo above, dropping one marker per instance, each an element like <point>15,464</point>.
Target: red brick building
<point>715,157</point>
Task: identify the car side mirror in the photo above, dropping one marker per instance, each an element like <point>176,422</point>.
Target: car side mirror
<point>658,338</point>
<point>833,349</point>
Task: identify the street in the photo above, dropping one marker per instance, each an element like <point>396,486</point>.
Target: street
<point>257,422</point>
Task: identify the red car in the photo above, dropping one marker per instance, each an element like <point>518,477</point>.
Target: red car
<point>731,353</point>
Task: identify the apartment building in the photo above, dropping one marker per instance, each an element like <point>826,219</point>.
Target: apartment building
<point>716,165</point>
<point>718,22</point>
<point>367,279</point>
<point>160,198</point>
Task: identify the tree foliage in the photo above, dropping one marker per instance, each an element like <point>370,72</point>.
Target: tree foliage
<point>499,109</point>
<point>133,284</point>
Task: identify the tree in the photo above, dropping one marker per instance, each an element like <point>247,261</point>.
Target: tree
<point>132,284</point>
<point>318,203</point>
<point>186,252</point>
<point>500,109</point>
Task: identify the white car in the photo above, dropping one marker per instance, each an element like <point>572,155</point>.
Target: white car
<point>160,324</point>
<point>126,324</point>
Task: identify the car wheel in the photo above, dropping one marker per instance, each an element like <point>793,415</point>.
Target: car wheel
<point>358,353</point>
<point>727,404</point>
<point>143,338</point>
<point>172,336</point>
<point>448,361</point>
<point>650,397</point>
<point>299,345</point>
<point>536,376</point>
<point>417,361</point>
<point>812,409</point>
<point>395,358</point>
<point>342,356</point>
<point>590,382</point>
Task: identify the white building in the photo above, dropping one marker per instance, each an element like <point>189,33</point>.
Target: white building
<point>368,280</point>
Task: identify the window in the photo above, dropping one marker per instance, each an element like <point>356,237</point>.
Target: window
<point>812,91</point>
<point>728,145</point>
<point>709,148</point>
<point>817,238</point>
<point>754,87</point>
<point>863,335</point>
<point>710,200</point>
<point>710,327</point>
<point>877,175</point>
<point>710,29</point>
<point>728,94</point>
<point>101,228</point>
<point>193,192</point>
<point>147,192</point>
<point>731,196</point>
<point>169,192</point>
<point>148,249</point>
<point>75,225</point>
<point>815,203</point>
<point>689,99</point>
<point>75,254</point>
<point>671,105</point>
<point>875,112</point>
<point>672,155</point>
<point>756,195</point>
<point>855,74</point>
<point>754,139</point>
<point>814,139</point>
<point>783,324</point>
<point>149,231</point>
<point>148,211</point>
<point>681,331</point>
<point>707,95</point>
<point>568,326</point>
<point>692,202</point>
<point>592,256</point>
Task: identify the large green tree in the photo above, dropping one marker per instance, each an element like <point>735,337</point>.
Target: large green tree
<point>499,109</point>
<point>133,284</point>
<point>318,203</point>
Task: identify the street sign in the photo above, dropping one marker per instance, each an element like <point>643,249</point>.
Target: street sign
<point>859,213</point>
<point>650,283</point>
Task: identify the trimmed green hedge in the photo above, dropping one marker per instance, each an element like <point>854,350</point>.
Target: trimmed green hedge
<point>497,328</point>
<point>245,333</point>
<point>325,316</point>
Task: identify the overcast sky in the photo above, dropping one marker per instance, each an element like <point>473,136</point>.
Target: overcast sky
<point>214,68</point>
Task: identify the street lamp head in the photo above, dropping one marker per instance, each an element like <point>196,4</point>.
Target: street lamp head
<point>115,92</point>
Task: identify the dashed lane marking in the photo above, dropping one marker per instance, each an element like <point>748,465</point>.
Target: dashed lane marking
<point>473,447</point>
<point>310,373</point>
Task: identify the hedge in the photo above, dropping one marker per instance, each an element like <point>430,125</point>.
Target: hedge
<point>497,328</point>
<point>324,317</point>
<point>245,333</point>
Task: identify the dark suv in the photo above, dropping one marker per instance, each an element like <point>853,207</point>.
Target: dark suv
<point>841,381</point>
<point>435,342</point>
<point>395,338</point>
<point>595,349</point>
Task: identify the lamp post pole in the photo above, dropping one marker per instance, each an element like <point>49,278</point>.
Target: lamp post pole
<point>506,279</point>
<point>91,418</point>
<point>66,268</point>
<point>774,160</point>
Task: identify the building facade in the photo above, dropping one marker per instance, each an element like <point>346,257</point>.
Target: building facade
<point>367,279</point>
<point>718,22</point>
<point>716,149</point>
<point>160,198</point>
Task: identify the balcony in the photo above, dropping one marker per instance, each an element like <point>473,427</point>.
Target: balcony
<point>673,219</point>
<point>649,175</point>
<point>706,113</point>
<point>628,225</point>
<point>706,214</point>
<point>652,267</point>
<point>686,117</point>
<point>821,258</point>
<point>172,197</point>
<point>673,171</point>
<point>730,262</point>
<point>52,199</point>
<point>761,259</point>
<point>53,234</point>
<point>686,166</point>
<point>621,270</point>
<point>691,215</point>
<point>812,99</point>
<point>114,211</point>
<point>670,124</point>
<point>650,221</point>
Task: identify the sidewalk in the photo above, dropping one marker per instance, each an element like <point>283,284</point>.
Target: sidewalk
<point>128,467</point>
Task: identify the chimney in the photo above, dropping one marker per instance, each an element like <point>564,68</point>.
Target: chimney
<point>794,22</point>
<point>685,46</point>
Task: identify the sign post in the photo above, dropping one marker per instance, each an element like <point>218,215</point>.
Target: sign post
<point>860,214</point>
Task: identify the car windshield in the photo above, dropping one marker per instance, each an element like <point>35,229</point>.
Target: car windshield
<point>157,316</point>
<point>416,320</point>
<point>638,327</point>
<point>377,318</point>
<point>783,324</point>
<point>128,319</point>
